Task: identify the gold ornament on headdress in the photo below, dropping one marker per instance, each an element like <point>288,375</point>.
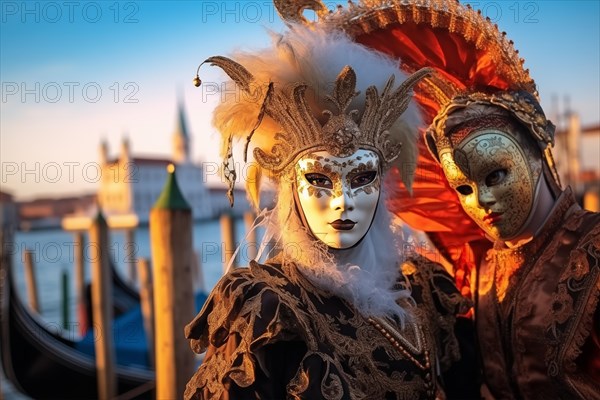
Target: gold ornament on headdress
<point>520,106</point>
<point>343,132</point>
<point>366,16</point>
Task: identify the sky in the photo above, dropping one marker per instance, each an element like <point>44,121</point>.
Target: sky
<point>74,73</point>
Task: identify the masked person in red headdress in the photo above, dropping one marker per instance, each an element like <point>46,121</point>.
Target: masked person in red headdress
<point>537,290</point>
<point>538,316</point>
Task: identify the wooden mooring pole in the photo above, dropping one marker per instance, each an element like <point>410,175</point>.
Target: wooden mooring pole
<point>30,280</point>
<point>81,299</point>
<point>147,304</point>
<point>130,253</point>
<point>65,300</point>
<point>227,240</point>
<point>171,242</point>
<point>102,309</point>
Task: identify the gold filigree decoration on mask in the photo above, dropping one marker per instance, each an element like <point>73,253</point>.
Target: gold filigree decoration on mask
<point>482,153</point>
<point>370,187</point>
<point>520,106</point>
<point>343,132</point>
<point>323,165</point>
<point>318,166</point>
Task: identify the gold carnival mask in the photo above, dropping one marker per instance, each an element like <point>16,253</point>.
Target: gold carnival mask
<point>338,196</point>
<point>495,181</point>
<point>493,149</point>
<point>476,108</point>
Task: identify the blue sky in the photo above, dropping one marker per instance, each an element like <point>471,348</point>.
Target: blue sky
<point>74,73</point>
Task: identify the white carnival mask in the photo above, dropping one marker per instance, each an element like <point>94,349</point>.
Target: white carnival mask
<point>338,196</point>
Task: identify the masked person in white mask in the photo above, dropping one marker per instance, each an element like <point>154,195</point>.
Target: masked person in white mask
<point>339,312</point>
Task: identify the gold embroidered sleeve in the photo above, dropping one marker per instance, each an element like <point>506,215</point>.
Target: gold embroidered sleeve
<point>243,316</point>
<point>577,299</point>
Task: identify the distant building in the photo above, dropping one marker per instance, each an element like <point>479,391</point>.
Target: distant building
<point>131,184</point>
<point>577,155</point>
<point>48,212</point>
<point>590,155</point>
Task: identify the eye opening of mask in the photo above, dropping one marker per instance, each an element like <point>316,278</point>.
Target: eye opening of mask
<point>496,177</point>
<point>319,180</point>
<point>362,179</point>
<point>465,190</point>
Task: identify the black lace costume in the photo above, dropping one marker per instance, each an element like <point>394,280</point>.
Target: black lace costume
<point>269,333</point>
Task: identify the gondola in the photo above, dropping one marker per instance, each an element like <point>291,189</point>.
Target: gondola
<point>125,298</point>
<point>45,365</point>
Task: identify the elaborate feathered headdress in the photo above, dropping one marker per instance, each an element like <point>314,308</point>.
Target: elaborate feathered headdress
<point>301,95</point>
<point>468,54</point>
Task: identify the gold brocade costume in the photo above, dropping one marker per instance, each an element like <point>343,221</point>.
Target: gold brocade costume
<point>537,313</point>
<point>269,333</point>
